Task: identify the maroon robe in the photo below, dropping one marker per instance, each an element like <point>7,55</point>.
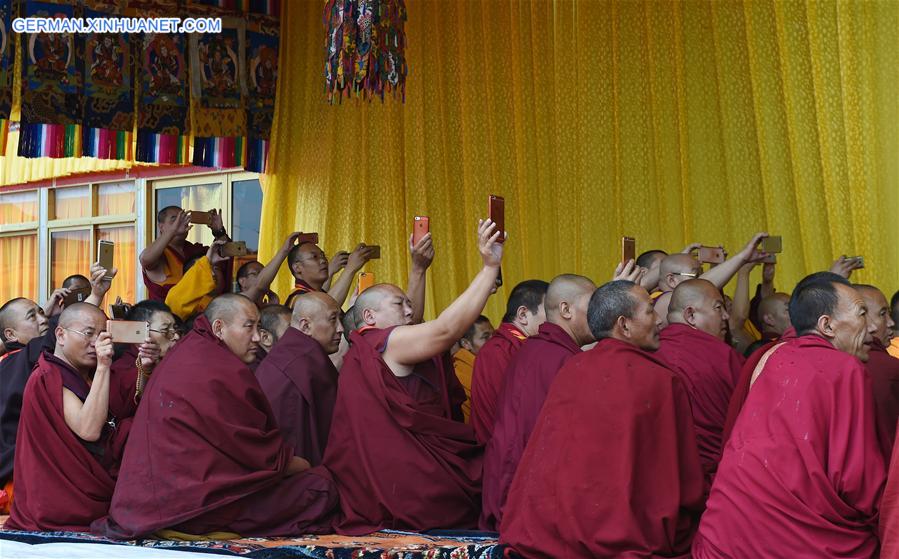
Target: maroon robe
<point>399,458</point>
<point>804,469</point>
<point>205,454</point>
<point>122,387</point>
<point>883,369</point>
<point>487,377</point>
<point>889,511</point>
<point>528,378</point>
<point>301,384</point>
<point>709,369</point>
<point>741,390</point>
<point>612,468</point>
<point>60,481</point>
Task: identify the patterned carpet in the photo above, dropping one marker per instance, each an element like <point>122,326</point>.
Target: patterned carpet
<point>386,544</point>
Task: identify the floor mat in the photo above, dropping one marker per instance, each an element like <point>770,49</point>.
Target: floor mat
<point>387,544</point>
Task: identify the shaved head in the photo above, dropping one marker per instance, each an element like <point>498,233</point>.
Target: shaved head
<point>80,312</point>
<point>21,320</point>
<point>226,307</point>
<point>76,281</point>
<point>383,305</point>
<point>566,287</point>
<point>318,316</point>
<point>311,304</point>
<point>774,313</point>
<point>673,267</point>
<point>567,301</point>
<point>698,304</point>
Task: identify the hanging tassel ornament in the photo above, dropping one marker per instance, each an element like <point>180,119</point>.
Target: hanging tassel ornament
<point>365,48</point>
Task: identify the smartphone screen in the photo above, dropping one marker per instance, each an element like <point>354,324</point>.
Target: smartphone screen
<point>421,225</point>
<point>628,249</point>
<point>105,252</point>
<point>497,214</point>
<point>375,251</point>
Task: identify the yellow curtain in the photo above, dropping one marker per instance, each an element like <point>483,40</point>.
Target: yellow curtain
<point>673,122</point>
<point>70,253</point>
<point>19,260</point>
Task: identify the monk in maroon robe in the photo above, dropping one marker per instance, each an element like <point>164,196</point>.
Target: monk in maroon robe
<point>804,469</point>
<point>163,261</point>
<point>612,468</point>
<point>399,451</point>
<point>299,379</point>
<point>205,454</point>
<point>528,378</point>
<point>693,346</point>
<point>62,479</point>
<point>882,367</point>
<point>524,315</point>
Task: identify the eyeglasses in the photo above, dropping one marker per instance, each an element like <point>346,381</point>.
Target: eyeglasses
<point>688,274</point>
<point>89,337</point>
<point>169,333</point>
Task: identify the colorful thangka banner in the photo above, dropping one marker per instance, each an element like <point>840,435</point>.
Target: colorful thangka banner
<point>108,95</point>
<point>217,63</point>
<point>7,61</point>
<point>262,80</point>
<point>163,102</point>
<point>51,89</point>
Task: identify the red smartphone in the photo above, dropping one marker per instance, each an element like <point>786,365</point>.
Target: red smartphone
<point>497,214</point>
<point>421,225</point>
<point>308,238</point>
<point>711,255</point>
<point>628,249</point>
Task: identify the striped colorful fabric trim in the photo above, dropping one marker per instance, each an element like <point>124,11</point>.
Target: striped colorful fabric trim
<point>257,155</point>
<point>105,143</point>
<point>165,149</point>
<point>220,152</point>
<point>50,140</point>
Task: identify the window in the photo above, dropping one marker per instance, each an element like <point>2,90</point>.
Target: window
<point>18,207</point>
<point>202,197</point>
<point>79,217</point>
<point>19,262</point>
<point>246,205</point>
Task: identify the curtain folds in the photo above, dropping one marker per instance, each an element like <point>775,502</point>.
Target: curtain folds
<point>673,122</point>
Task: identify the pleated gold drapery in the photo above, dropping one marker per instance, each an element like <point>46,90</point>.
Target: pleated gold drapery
<point>672,122</point>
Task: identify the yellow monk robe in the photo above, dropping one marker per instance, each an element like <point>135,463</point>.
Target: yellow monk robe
<point>463,365</point>
<point>894,347</point>
<point>655,295</point>
<point>192,294</point>
<point>752,330</point>
<point>173,267</point>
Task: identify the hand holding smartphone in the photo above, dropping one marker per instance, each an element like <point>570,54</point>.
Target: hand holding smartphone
<point>200,218</point>
<point>711,255</point>
<point>772,245</point>
<point>76,296</point>
<point>105,253</point>
<point>235,248</point>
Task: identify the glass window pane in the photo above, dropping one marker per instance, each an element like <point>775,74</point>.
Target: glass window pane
<point>115,198</point>
<point>203,197</point>
<point>124,261</point>
<point>18,207</point>
<point>246,205</point>
<point>71,203</point>
<point>19,262</point>
<point>70,253</point>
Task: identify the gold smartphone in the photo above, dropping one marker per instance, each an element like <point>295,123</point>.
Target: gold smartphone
<point>105,253</point>
<point>128,331</point>
<point>772,245</point>
<point>235,248</point>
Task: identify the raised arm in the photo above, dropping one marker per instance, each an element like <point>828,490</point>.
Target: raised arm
<point>740,311</point>
<point>267,274</point>
<point>413,344</point>
<point>152,256</point>
<point>86,419</point>
<point>100,284</point>
<point>422,256</point>
<point>357,259</point>
<point>722,273</point>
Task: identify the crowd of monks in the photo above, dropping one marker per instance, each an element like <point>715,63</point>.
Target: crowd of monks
<point>647,416</point>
